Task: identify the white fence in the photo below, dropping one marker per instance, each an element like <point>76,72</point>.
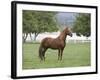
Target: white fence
<point>73,39</point>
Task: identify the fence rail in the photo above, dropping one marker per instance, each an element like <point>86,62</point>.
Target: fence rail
<point>74,39</point>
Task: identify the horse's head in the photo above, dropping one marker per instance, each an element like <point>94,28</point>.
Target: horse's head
<point>68,31</point>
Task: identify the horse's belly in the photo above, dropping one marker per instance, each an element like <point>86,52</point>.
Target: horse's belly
<point>56,46</point>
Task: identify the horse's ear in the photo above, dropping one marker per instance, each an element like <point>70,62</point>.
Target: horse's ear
<point>67,28</point>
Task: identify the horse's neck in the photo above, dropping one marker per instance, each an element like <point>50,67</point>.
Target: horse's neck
<point>62,36</point>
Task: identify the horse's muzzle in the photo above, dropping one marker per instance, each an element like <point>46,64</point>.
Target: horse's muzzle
<point>71,34</point>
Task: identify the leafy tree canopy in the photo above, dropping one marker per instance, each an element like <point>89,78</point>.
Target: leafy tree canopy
<point>82,24</point>
<point>38,21</point>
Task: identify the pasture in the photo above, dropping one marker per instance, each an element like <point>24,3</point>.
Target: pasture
<point>74,55</point>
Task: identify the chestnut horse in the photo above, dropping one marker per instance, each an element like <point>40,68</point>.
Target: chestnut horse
<point>54,43</point>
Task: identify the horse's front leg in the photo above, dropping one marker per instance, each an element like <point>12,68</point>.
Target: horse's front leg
<point>61,54</point>
<point>58,54</point>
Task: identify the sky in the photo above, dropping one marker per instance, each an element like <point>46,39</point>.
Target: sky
<point>66,18</point>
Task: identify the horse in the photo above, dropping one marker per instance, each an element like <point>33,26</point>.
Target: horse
<point>54,43</point>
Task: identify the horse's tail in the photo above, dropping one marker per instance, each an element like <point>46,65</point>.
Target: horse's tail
<point>40,52</point>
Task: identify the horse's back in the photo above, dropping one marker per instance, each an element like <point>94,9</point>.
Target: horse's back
<point>46,40</point>
<point>53,43</point>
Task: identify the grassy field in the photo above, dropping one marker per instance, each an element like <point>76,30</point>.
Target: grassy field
<point>74,55</point>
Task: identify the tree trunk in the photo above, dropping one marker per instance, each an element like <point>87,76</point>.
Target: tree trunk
<point>25,37</point>
<point>35,35</point>
<point>30,36</point>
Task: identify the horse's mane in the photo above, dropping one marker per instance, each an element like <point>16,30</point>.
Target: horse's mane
<point>63,34</point>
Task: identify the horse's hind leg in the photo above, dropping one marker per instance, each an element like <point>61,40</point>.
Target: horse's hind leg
<point>44,53</point>
<point>41,53</point>
<point>41,56</point>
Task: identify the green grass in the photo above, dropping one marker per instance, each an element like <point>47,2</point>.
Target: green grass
<point>74,55</point>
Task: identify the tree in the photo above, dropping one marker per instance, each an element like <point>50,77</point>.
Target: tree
<point>37,22</point>
<point>26,24</point>
<point>82,24</point>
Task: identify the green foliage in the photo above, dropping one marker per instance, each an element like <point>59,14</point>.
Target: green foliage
<point>82,24</point>
<point>37,22</point>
